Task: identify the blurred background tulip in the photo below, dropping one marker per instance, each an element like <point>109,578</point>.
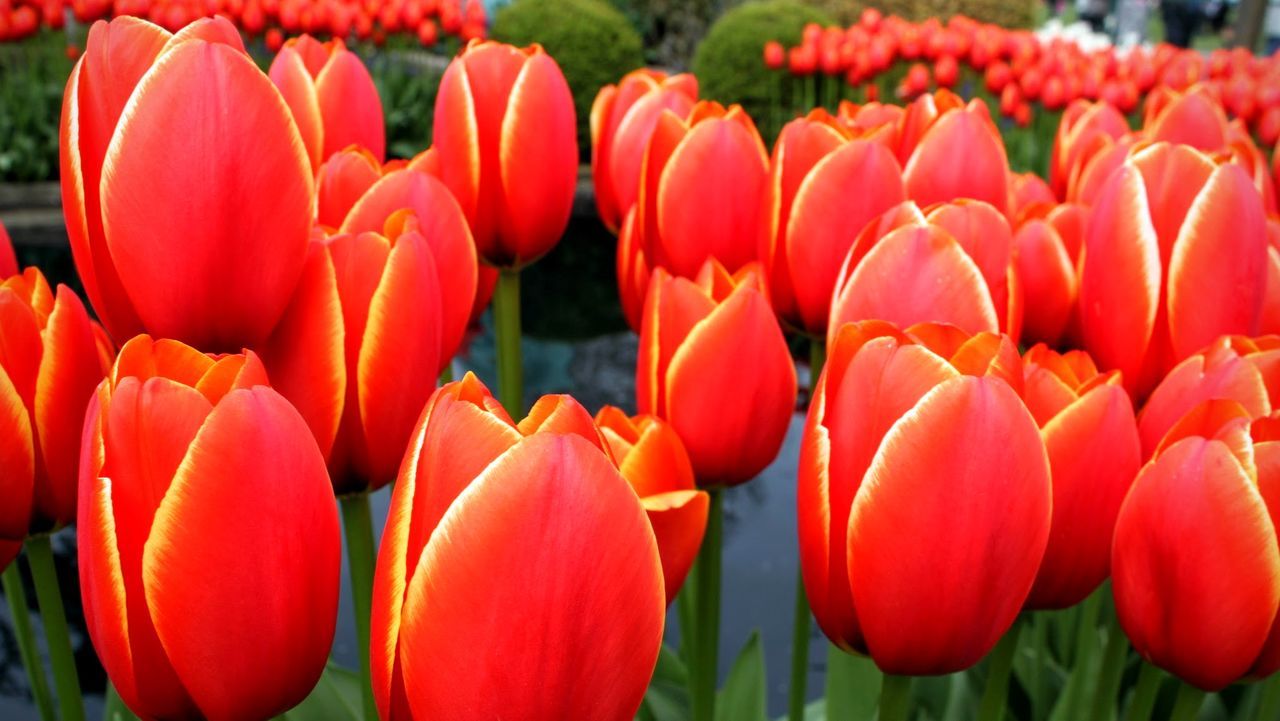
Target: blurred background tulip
<point>623,117</point>
<point>8,261</point>
<point>1176,255</point>
<point>651,457</point>
<point>532,522</point>
<point>332,97</point>
<point>917,451</point>
<point>1091,438</point>
<point>232,489</point>
<point>208,150</point>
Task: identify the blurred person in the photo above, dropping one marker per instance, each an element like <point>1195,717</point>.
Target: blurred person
<point>1181,20</point>
<point>1094,12</point>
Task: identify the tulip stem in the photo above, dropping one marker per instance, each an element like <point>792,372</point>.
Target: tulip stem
<point>895,697</point>
<point>1144,694</point>
<point>799,652</point>
<point>999,666</point>
<point>1104,694</point>
<point>506,319</point>
<point>1268,700</point>
<point>707,627</point>
<point>687,608</point>
<point>54,617</point>
<point>1187,704</point>
<point>17,597</point>
<point>357,522</point>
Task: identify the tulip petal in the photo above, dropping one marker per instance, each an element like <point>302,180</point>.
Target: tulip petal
<point>949,528</point>
<point>252,504</point>
<point>672,308</point>
<point>350,106</point>
<point>630,140</point>
<point>17,458</point>
<point>1048,280</point>
<point>1193,381</point>
<point>290,76</point>
<point>21,345</point>
<point>657,463</point>
<point>1195,566</point>
<point>572,553</point>
<point>679,520</point>
<point>961,155</point>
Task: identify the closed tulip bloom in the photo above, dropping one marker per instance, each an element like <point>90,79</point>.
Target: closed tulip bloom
<point>924,495</point>
<point>1195,563</point>
<point>1194,118</point>
<point>51,358</point>
<point>823,188</point>
<point>960,155</point>
<point>231,489</point>
<point>341,181</point>
<point>207,151</point>
<point>374,321</point>
<point>8,259</point>
<point>954,265</point>
<point>1047,273</point>
<point>1090,435</point>
<point>1028,194</point>
<point>1232,368</point>
<point>651,457</point>
<point>1084,127</point>
<point>1176,256</point>
<point>732,416</point>
<point>507,147</point>
<point>622,119</point>
<point>332,97</point>
<point>492,519</point>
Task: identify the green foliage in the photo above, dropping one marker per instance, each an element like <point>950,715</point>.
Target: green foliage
<point>34,73</point>
<point>743,695</point>
<point>672,28</point>
<point>730,64</point>
<point>593,43</point>
<point>1006,13</point>
<point>408,95</point>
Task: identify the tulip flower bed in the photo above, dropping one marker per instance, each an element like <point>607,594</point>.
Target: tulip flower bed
<point>1033,480</point>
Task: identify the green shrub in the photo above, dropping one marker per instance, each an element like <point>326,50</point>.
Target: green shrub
<point>593,43</point>
<point>672,28</point>
<point>729,62</point>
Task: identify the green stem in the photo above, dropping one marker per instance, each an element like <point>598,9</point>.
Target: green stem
<point>996,694</point>
<point>686,607</point>
<point>817,360</point>
<point>1269,701</point>
<point>446,375</point>
<point>895,698</point>
<point>707,626</point>
<point>799,651</point>
<point>1086,641</point>
<point>1104,694</point>
<point>49,596</point>
<point>17,596</point>
<point>357,522</point>
<point>1187,705</point>
<point>506,314</point>
<point>1144,694</point>
<point>1039,650</point>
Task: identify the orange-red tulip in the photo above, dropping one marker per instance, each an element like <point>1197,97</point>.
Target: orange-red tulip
<point>209,154</point>
<point>924,495</point>
<point>8,259</point>
<point>1176,255</point>
<point>51,358</point>
<point>1084,129</point>
<point>507,146</point>
<point>823,188</point>
<point>1028,193</point>
<point>959,155</point>
<point>623,117</point>
<point>703,179</point>
<point>332,97</point>
<point>1091,437</point>
<point>651,457</point>
<point>341,181</point>
<point>374,321</point>
<point>209,547</point>
<point>527,522</point>
<point>954,265</point>
<point>732,416</point>
<point>1047,273</point>
<point>1195,563</point>
<point>1194,118</point>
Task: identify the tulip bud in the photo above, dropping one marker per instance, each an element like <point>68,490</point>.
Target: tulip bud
<point>960,155</point>
<point>207,151</point>
<point>924,495</point>
<point>193,468</point>
<point>1083,128</point>
<point>732,424</point>
<point>532,521</point>
<point>507,143</point>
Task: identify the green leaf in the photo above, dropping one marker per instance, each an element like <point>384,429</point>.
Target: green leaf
<point>114,709</point>
<point>743,695</point>
<point>668,696</point>
<point>853,686</point>
<point>335,698</point>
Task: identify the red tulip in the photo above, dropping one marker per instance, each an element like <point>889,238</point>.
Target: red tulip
<point>230,489</point>
<point>623,117</point>
<point>532,522</point>
<point>373,323</point>
<point>332,97</point>
<point>961,155</point>
<point>652,459</point>
<point>341,181</point>
<point>1192,118</point>
<point>1195,564</point>
<point>51,358</point>
<point>823,188</point>
<point>8,259</point>
<point>774,56</point>
<point>1087,424</point>
<point>1083,129</point>
<point>1028,193</point>
<point>506,140</point>
<point>207,152</point>
<point>1176,256</point>
<point>731,416</point>
<point>924,495</point>
<point>953,266</point>
<point>1047,273</point>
